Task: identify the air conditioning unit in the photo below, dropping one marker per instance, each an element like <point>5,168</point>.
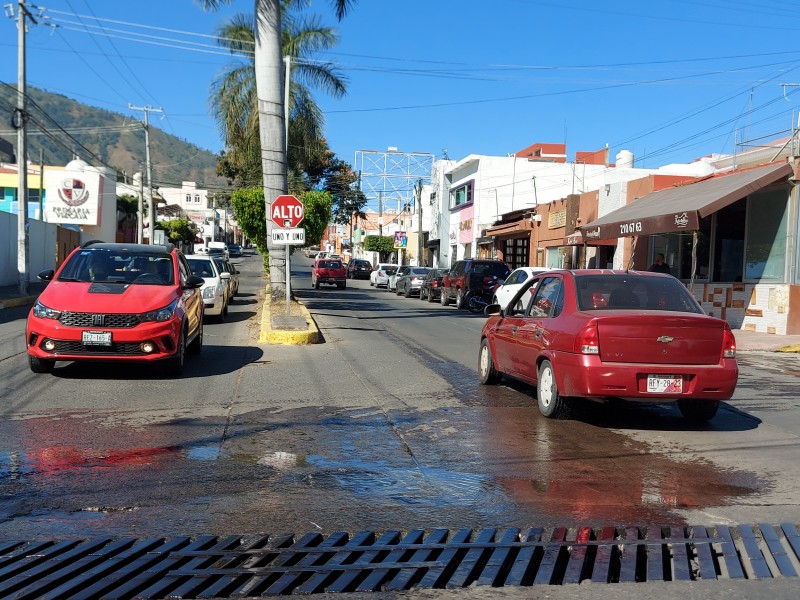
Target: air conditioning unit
<point>536,218</point>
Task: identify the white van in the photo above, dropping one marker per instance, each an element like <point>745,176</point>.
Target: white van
<point>218,248</point>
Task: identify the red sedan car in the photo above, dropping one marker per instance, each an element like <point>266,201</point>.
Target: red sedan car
<point>601,334</point>
<point>117,302</point>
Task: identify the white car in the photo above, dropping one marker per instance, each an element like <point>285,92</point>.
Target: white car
<point>512,283</point>
<point>380,274</point>
<point>215,288</point>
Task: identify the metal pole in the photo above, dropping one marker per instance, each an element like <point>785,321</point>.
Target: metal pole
<point>22,161</point>
<point>41,184</point>
<point>150,204</point>
<point>286,84</point>
<point>140,220</point>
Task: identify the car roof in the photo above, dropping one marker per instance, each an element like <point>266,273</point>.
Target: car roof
<point>138,248</point>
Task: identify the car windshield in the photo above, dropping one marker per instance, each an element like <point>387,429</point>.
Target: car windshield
<point>614,292</point>
<point>119,266</point>
<point>202,268</point>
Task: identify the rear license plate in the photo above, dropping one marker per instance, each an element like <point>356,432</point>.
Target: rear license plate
<point>664,384</point>
<point>96,338</point>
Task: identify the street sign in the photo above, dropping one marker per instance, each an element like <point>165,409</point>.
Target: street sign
<point>287,211</point>
<point>289,236</point>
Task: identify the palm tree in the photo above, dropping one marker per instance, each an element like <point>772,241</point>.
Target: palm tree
<point>235,103</point>
<point>269,77</point>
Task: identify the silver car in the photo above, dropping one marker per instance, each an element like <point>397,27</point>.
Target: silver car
<point>410,282</point>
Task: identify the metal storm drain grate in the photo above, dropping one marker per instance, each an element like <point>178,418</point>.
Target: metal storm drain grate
<point>219,567</point>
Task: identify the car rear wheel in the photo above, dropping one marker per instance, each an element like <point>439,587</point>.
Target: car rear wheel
<point>429,296</point>
<point>486,370</point>
<point>698,411</point>
<point>316,285</point>
<point>551,403</point>
<point>407,293</point>
<point>40,365</point>
<point>443,297</point>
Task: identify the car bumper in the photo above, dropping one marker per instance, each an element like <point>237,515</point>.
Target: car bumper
<point>587,376</point>
<point>126,344</point>
<point>331,280</point>
<point>214,307</point>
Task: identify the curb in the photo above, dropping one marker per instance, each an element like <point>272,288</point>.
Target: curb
<point>14,302</point>
<point>287,337</point>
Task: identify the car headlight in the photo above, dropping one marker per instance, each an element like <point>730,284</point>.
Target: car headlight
<point>162,314</point>
<point>209,292</point>
<point>43,312</point>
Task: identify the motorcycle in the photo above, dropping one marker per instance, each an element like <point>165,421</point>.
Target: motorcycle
<point>477,301</point>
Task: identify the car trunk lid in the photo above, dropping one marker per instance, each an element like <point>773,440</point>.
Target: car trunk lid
<point>683,339</point>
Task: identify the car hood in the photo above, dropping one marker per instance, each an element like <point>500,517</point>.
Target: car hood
<point>108,298</point>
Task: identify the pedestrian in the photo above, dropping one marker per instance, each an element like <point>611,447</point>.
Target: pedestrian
<point>660,266</point>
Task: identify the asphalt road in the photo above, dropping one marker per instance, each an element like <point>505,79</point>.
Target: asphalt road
<point>381,426</point>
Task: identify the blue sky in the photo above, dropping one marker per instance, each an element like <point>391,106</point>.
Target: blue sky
<point>670,82</point>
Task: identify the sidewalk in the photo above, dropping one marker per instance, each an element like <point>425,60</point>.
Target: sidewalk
<point>745,340</point>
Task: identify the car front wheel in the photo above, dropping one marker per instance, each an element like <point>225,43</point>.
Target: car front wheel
<point>486,370</point>
<point>551,403</point>
<point>174,365</point>
<point>40,365</point>
<point>196,347</point>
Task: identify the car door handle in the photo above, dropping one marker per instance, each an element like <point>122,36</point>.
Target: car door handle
<point>538,333</point>
<point>514,330</point>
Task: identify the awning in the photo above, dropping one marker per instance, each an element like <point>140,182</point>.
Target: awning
<point>576,239</point>
<point>512,228</point>
<point>485,241</point>
<point>433,243</point>
<point>681,208</point>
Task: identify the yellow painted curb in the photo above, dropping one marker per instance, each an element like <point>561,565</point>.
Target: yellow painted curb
<point>287,337</point>
<point>795,348</point>
<point>23,301</point>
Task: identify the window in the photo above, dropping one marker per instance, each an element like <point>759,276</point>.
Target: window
<point>461,195</point>
<point>547,299</point>
<point>188,198</point>
<point>729,242</point>
<point>197,198</point>
<point>516,252</point>
<point>765,237</point>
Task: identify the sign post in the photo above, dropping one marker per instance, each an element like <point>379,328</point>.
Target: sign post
<point>287,213</point>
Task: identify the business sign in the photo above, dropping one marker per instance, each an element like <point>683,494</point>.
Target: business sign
<point>289,236</point>
<point>73,197</point>
<point>400,239</point>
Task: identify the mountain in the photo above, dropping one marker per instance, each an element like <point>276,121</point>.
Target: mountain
<point>64,128</point>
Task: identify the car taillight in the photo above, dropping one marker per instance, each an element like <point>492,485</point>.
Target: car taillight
<point>728,344</point>
<point>435,284</point>
<point>587,341</point>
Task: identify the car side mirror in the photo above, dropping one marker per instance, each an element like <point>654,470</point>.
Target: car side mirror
<point>492,309</point>
<point>194,282</point>
<point>224,275</point>
<point>46,275</point>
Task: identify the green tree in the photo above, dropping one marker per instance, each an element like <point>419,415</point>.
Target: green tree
<point>382,244</point>
<point>249,210</point>
<point>317,214</point>
<point>268,69</point>
<point>178,230</point>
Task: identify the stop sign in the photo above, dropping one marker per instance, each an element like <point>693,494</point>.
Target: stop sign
<point>287,211</point>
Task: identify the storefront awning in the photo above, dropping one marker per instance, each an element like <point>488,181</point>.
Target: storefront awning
<point>681,208</point>
<point>485,241</point>
<point>576,239</point>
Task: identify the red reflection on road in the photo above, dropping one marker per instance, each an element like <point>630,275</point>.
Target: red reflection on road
<point>57,458</point>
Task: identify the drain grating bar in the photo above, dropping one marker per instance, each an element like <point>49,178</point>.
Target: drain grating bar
<point>235,566</point>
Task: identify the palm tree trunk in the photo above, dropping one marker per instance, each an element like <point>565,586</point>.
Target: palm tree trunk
<point>269,86</point>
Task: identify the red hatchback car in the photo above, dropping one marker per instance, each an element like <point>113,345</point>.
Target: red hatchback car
<point>117,302</point>
<point>601,334</point>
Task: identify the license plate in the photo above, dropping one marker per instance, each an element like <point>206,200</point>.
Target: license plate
<point>96,338</point>
<point>664,384</point>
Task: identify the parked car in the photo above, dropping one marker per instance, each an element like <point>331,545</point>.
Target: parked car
<point>218,249</point>
<point>234,251</point>
<point>359,269</point>
<point>410,283</point>
<point>322,254</point>
<point>600,335</point>
<point>117,302</point>
<point>226,266</point>
<point>215,290</point>
<point>327,270</point>
<point>312,251</point>
<point>431,285</point>
<point>380,274</point>
<point>391,285</point>
<point>472,275</point>
<point>512,283</point>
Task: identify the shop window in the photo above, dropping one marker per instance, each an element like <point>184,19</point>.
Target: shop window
<point>765,239</point>
<point>729,243</point>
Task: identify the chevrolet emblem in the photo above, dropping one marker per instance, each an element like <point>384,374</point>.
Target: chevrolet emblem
<point>664,338</point>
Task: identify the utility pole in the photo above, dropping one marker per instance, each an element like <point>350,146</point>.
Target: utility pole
<point>18,120</point>
<point>151,209</point>
<point>140,220</point>
<point>418,191</point>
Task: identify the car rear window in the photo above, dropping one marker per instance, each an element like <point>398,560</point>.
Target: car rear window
<point>490,268</point>
<point>614,292</point>
<point>202,268</point>
<point>330,264</point>
<point>419,271</point>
